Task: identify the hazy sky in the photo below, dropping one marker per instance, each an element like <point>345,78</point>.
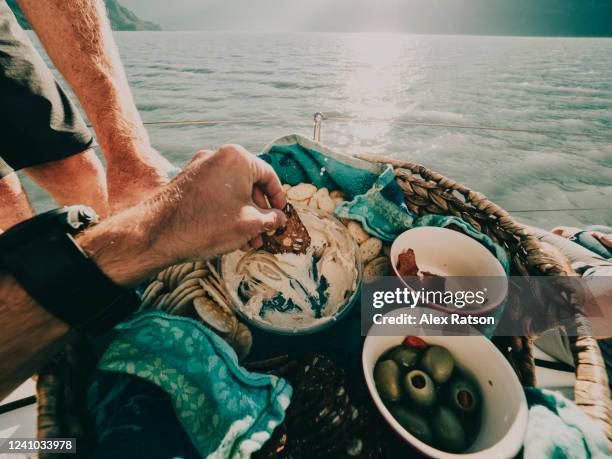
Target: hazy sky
<point>521,17</point>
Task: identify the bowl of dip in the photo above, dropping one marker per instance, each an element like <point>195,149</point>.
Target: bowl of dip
<point>297,293</point>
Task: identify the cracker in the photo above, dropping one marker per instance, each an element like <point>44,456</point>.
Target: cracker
<point>180,289</point>
<point>337,201</point>
<point>303,203</point>
<point>301,192</point>
<point>242,341</point>
<point>160,302</point>
<point>378,267</point>
<point>176,299</point>
<point>199,264</point>
<point>370,249</point>
<point>197,274</point>
<point>215,317</point>
<point>293,237</point>
<point>177,272</point>
<point>324,201</point>
<point>357,231</point>
<point>185,303</point>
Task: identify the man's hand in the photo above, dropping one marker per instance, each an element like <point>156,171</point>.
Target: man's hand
<point>222,204</point>
<point>219,203</point>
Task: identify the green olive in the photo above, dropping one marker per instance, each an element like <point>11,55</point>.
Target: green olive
<point>438,363</point>
<point>387,380</point>
<point>463,395</point>
<point>471,425</point>
<point>420,388</point>
<point>405,357</point>
<point>448,431</point>
<point>387,354</point>
<point>413,422</point>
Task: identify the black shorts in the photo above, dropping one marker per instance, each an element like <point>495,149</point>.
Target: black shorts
<point>38,123</point>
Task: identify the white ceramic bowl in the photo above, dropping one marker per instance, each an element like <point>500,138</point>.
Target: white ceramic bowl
<point>466,263</point>
<point>320,324</point>
<point>504,408</point>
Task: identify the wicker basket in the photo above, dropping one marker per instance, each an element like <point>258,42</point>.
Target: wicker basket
<point>425,192</point>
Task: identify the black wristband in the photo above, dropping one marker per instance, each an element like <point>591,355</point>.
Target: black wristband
<point>46,261</point>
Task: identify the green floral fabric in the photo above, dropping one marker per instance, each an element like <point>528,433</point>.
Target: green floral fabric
<point>226,410</point>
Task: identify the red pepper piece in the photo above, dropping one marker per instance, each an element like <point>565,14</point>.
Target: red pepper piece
<point>415,342</point>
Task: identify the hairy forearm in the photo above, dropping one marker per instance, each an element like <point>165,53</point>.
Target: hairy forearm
<point>30,335</point>
<point>126,247</point>
<point>78,38</point>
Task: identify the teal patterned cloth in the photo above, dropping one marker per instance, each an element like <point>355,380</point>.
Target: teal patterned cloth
<point>381,210</point>
<point>226,410</point>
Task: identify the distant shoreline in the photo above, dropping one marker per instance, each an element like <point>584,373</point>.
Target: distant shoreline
<point>292,32</point>
<point>121,18</point>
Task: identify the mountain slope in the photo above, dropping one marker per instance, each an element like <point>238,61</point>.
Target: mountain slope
<point>121,18</point>
<point>485,17</point>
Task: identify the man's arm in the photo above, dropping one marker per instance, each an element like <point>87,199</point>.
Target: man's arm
<point>29,335</point>
<point>185,220</point>
<point>22,317</point>
<point>78,39</point>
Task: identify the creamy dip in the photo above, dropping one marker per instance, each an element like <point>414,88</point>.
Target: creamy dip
<point>290,291</point>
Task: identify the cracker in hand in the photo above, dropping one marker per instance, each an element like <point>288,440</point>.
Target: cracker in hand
<point>293,237</point>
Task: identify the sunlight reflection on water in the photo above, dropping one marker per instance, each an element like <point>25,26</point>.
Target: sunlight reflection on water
<point>377,78</point>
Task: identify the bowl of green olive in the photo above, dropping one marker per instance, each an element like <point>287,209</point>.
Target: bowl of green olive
<point>447,396</point>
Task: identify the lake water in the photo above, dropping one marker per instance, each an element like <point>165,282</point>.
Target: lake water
<point>552,84</point>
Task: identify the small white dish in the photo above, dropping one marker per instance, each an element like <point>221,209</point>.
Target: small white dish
<point>466,263</point>
<point>504,407</point>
